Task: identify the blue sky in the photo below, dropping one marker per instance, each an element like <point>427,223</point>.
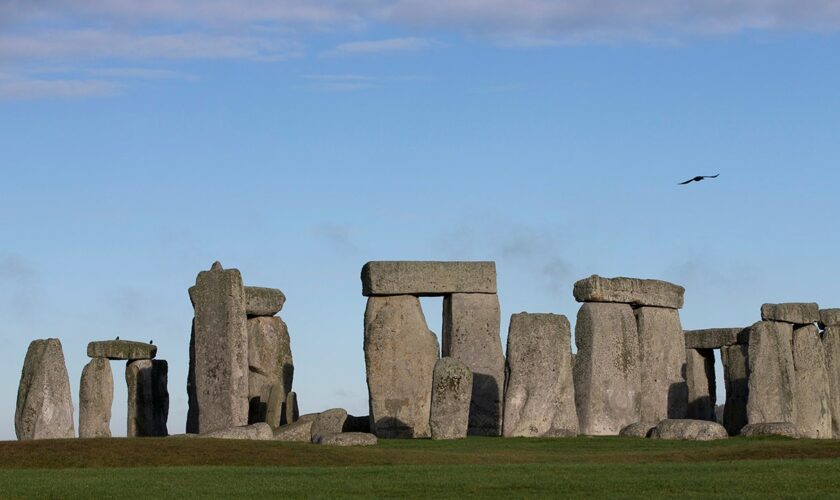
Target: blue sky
<point>295,141</point>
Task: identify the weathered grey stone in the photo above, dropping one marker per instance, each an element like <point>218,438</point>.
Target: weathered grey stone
<point>715,338</point>
<point>606,371</point>
<point>829,317</point>
<point>160,397</point>
<point>700,379</point>
<point>688,430</point>
<point>221,350</point>
<point>260,431</point>
<point>357,424</point>
<point>427,278</point>
<point>96,396</point>
<point>798,313</point>
<point>261,301</point>
<point>736,376</point>
<point>812,397</point>
<point>831,345</point>
<point>299,431</point>
<point>44,404</point>
<point>121,349</point>
<point>661,362</point>
<point>772,378</point>
<point>471,325</point>
<point>400,356</point>
<point>274,409</point>
<point>539,392</point>
<point>290,409</point>
<point>148,398</point>
<point>328,422</point>
<point>637,292</point>
<point>637,430</point>
<point>269,362</point>
<point>348,439</point>
<point>451,393</point>
<point>782,429</point>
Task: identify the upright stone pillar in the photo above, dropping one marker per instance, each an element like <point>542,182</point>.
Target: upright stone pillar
<point>812,397</point>
<point>736,374</point>
<point>96,396</point>
<point>772,378</point>
<point>471,326</point>
<point>831,344</point>
<point>451,394</point>
<point>269,363</point>
<point>139,415</point>
<point>160,397</point>
<point>662,358</point>
<point>700,376</point>
<point>44,404</point>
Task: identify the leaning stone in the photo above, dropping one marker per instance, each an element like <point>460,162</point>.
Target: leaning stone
<point>772,378</point>
<point>290,408</point>
<point>269,362</point>
<point>121,349</point>
<point>221,350</point>
<point>471,325</point>
<point>812,397</point>
<point>736,376</point>
<point>661,361</point>
<point>400,356</point>
<point>96,396</point>
<point>688,430</point>
<point>328,422</point>
<point>700,379</point>
<point>451,392</point>
<point>781,429</point>
<point>348,439</point>
<point>831,345</point>
<point>798,313</point>
<point>829,317</point>
<point>256,432</point>
<point>606,372</point>
<point>427,278</point>
<point>44,404</point>
<point>715,338</point>
<point>261,301</point>
<point>637,292</point>
<point>357,424</point>
<point>299,431</point>
<point>540,392</point>
<point>637,430</point>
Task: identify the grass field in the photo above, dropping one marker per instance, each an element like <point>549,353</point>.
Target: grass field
<point>478,467</point>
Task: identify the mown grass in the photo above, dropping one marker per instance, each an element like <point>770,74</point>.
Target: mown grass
<point>477,467</point>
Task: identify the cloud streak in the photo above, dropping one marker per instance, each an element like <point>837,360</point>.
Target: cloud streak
<point>387,46</point>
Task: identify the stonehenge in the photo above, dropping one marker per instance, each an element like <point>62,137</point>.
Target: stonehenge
<point>452,384</point>
<point>44,404</point>
<point>96,395</point>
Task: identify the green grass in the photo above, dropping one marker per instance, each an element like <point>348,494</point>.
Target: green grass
<point>476,467</point>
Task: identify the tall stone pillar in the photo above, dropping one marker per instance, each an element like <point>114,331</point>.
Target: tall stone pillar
<point>736,375</point>
<point>96,396</point>
<point>831,344</point>
<point>148,398</point>
<point>772,378</point>
<point>44,404</point>
<point>661,364</point>
<point>700,376</point>
<point>812,397</point>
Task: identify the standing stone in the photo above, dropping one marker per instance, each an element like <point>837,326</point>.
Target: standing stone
<point>192,399</point>
<point>160,397</point>
<point>96,396</point>
<point>291,413</point>
<point>831,344</point>
<point>451,393</point>
<point>471,326</point>
<point>606,371</point>
<point>221,349</point>
<point>700,378</point>
<point>812,395</point>
<point>772,378</point>
<point>661,362</point>
<point>736,376</point>
<point>400,356</point>
<point>539,392</point>
<point>138,379</point>
<point>274,410</point>
<point>44,404</point>
<point>269,363</point>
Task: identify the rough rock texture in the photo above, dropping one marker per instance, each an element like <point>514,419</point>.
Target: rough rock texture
<point>637,430</point>
<point>425,278</point>
<point>260,431</point>
<point>812,397</point>
<point>96,395</point>
<point>772,379</point>
<point>327,422</point>
<point>269,362</point>
<point>540,391</point>
<point>700,378</point>
<point>451,393</point>
<point>260,301</point>
<point>798,313</point>
<point>44,404</point>
<point>299,431</point>
<point>400,356</point>
<point>471,335</point>
<point>348,439</point>
<point>688,430</point>
<point>831,345</point>
<point>221,350</point>
<point>121,349</point>
<point>829,317</point>
<point>661,362</point>
<point>783,429</point>
<point>633,291</point>
<point>148,398</point>
<point>290,409</point>
<point>606,371</point>
<point>274,407</point>
<point>715,338</point>
<point>736,375</point>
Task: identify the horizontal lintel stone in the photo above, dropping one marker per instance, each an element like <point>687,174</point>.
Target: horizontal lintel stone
<point>715,338</point>
<point>427,278</point>
<point>633,291</point>
<point>121,349</point>
<point>798,313</point>
<point>829,317</point>
<point>260,301</point>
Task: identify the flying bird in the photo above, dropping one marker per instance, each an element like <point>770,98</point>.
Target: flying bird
<point>698,179</point>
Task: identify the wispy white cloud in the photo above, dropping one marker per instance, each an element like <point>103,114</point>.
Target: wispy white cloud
<point>142,74</point>
<point>389,45</point>
<point>26,88</point>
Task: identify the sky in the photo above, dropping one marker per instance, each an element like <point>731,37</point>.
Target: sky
<point>295,141</point>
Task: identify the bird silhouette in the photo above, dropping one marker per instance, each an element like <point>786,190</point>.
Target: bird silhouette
<point>151,341</point>
<point>698,179</point>
<point>118,338</point>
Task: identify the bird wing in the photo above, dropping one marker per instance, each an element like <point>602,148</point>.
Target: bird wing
<point>711,176</point>
<point>686,182</point>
